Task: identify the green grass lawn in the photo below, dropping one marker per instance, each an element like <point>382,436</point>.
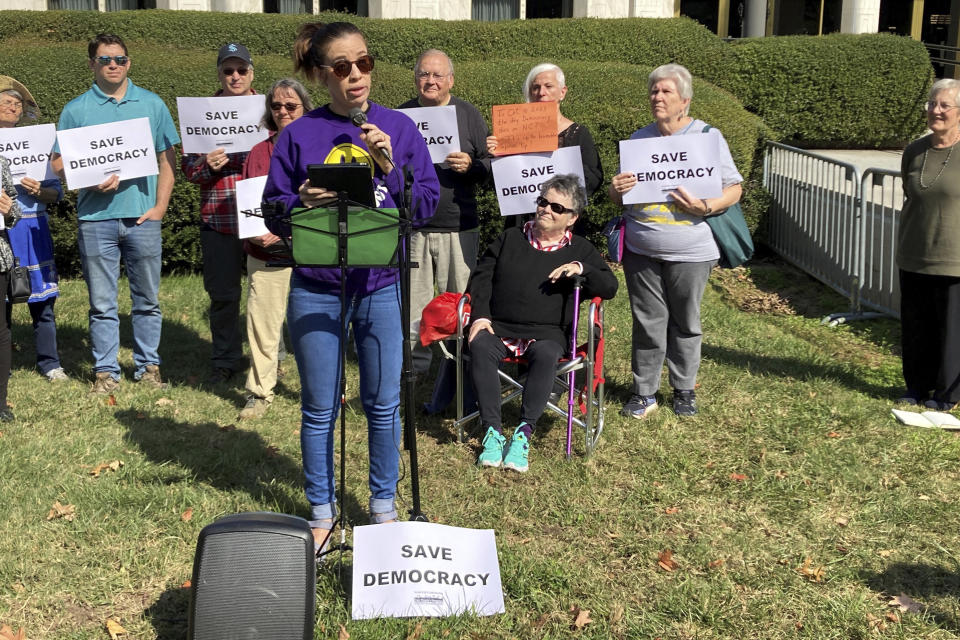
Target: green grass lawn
<point>794,506</point>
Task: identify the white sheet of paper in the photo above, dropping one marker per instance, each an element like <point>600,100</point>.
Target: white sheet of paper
<point>249,217</point>
<point>28,150</point>
<point>438,126</point>
<point>232,123</point>
<point>92,154</point>
<point>406,569</point>
<point>662,164</point>
<point>517,179</point>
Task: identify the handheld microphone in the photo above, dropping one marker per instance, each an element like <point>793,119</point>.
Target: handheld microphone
<point>358,118</point>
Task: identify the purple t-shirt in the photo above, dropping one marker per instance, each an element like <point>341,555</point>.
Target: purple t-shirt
<point>323,137</point>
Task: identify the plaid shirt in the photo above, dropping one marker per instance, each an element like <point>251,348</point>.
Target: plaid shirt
<point>218,189</point>
<point>519,346</point>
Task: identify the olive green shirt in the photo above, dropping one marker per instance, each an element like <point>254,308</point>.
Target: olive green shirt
<point>928,238</point>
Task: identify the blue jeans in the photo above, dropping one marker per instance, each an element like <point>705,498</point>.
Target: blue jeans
<point>102,244</point>
<point>313,318</point>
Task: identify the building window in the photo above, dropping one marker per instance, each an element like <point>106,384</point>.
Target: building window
<point>288,6</point>
<point>492,10</point>
<point>76,5</point>
<point>356,7</point>
<point>129,5</point>
<point>549,9</point>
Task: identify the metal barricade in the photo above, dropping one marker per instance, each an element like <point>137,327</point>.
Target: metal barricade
<point>813,215</point>
<point>881,199</point>
<point>838,227</point>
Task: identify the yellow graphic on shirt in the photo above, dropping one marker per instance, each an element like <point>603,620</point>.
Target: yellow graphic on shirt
<point>659,213</point>
<point>349,153</point>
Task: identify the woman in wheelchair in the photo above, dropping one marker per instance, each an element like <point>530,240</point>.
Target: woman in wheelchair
<point>522,306</point>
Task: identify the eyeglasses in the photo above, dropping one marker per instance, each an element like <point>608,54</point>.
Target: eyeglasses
<point>105,60</point>
<point>11,102</point>
<point>556,207</point>
<point>943,106</point>
<point>289,106</point>
<point>436,77</point>
<point>342,68</point>
<point>229,71</point>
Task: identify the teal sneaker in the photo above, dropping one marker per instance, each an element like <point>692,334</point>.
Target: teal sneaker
<point>517,453</point>
<point>492,454</point>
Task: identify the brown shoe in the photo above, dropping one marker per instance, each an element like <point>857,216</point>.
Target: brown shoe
<point>151,378</point>
<point>105,383</point>
<point>255,408</point>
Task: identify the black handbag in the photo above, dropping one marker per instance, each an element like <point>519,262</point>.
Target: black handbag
<point>18,283</point>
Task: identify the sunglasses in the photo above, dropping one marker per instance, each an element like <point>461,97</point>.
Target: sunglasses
<point>342,68</point>
<point>556,207</point>
<point>105,60</point>
<point>289,106</point>
<point>228,71</point>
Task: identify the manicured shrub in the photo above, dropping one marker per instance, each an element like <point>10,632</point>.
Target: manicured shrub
<point>609,98</point>
<point>841,91</point>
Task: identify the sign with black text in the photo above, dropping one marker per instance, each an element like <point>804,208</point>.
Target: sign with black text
<point>438,126</point>
<point>408,569</point>
<point>662,164</point>
<point>93,154</point>
<point>28,150</point>
<point>249,216</point>
<point>232,123</point>
<point>517,178</point>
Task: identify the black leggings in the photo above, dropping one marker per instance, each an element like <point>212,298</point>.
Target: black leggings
<point>486,352</point>
<point>4,341</point>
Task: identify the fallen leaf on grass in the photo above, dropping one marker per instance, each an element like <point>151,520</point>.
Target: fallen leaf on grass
<point>814,574</point>
<point>892,616</point>
<point>6,633</point>
<point>186,585</point>
<point>833,434</point>
<point>671,510</point>
<point>780,474</point>
<point>875,624</point>
<point>163,402</point>
<point>613,535</point>
<point>417,630</point>
<point>842,521</point>
<point>665,560</point>
<point>616,615</point>
<point>905,603</point>
<point>581,618</point>
<point>141,415</point>
<point>342,634</point>
<point>539,622</point>
<point>114,629</point>
<point>714,564</point>
<point>885,553</point>
<point>111,400</point>
<point>106,466</point>
<point>228,427</point>
<point>65,511</point>
<point>739,477</point>
<point>187,515</point>
<point>272,451</point>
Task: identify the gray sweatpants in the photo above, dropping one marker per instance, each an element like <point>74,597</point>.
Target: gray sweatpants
<point>665,301</point>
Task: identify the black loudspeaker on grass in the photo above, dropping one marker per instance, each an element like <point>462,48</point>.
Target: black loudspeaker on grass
<point>254,576</point>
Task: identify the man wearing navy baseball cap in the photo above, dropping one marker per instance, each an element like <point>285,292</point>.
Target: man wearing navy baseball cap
<point>217,173</point>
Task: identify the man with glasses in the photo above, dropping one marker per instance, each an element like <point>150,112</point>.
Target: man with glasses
<point>445,248</point>
<point>217,173</point>
<point>121,218</point>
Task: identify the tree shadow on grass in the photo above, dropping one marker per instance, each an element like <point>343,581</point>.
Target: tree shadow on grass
<point>798,369</point>
<point>921,581</point>
<point>226,460</point>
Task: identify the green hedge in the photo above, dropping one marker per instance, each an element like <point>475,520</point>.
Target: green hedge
<point>841,91</point>
<point>610,98</point>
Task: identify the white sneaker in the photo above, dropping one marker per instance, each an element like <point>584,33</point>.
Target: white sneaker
<point>56,374</point>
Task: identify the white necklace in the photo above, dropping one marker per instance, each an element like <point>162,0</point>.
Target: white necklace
<point>943,166</point>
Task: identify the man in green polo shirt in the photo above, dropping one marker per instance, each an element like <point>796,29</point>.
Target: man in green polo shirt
<point>121,218</point>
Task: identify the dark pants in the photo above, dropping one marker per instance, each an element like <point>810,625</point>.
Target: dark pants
<point>4,343</point>
<point>930,334</point>
<point>486,352</point>
<point>223,258</point>
<point>44,332</point>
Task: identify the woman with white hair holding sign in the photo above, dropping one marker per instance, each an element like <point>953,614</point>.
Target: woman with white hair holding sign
<point>669,251</point>
<point>31,240</point>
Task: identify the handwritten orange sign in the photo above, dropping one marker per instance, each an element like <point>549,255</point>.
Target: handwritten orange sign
<point>525,128</point>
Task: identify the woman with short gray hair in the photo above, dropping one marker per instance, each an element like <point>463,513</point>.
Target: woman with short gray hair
<point>928,255</point>
<point>669,251</point>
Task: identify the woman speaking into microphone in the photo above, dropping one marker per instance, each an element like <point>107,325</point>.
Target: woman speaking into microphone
<point>335,55</point>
